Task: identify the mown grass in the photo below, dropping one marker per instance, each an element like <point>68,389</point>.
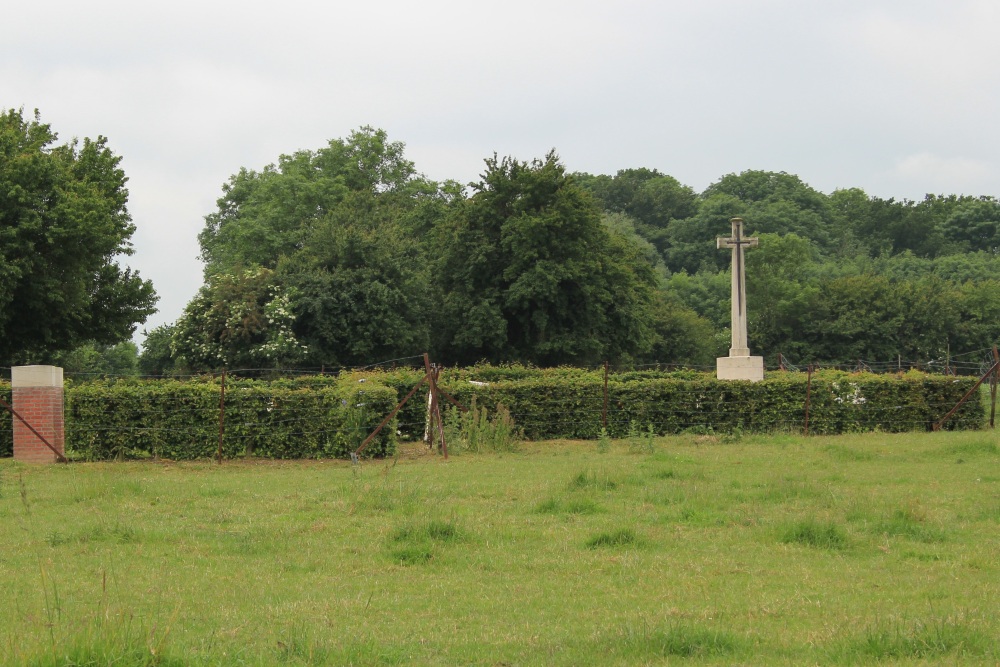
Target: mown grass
<point>868,549</point>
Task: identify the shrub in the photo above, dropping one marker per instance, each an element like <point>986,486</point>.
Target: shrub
<point>180,420</point>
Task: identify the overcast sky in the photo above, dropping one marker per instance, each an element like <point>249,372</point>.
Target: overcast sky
<point>900,98</point>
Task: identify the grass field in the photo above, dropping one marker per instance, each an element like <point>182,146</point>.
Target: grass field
<point>767,550</point>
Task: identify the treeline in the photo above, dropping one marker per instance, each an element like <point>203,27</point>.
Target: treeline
<point>347,255</point>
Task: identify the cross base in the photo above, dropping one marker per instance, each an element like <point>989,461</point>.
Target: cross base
<point>740,368</point>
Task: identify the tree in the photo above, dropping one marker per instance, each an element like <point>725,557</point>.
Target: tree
<point>974,225</point>
<point>94,359</point>
<point>265,216</point>
<point>781,291</point>
<point>529,273</point>
<point>690,242</point>
<point>682,336</point>
<point>63,223</point>
<point>237,320</point>
<point>157,358</point>
<point>650,198</point>
<point>361,286</point>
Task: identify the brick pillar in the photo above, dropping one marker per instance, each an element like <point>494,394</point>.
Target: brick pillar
<point>37,395</point>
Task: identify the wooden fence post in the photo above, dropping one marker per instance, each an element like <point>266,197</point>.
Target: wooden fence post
<point>809,379</point>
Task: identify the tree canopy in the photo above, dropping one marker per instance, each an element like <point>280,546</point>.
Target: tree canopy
<point>63,225</point>
<point>347,255</point>
<point>531,274</point>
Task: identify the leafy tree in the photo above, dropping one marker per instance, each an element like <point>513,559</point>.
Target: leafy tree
<point>691,241</point>
<point>648,197</point>
<point>63,223</point>
<point>240,320</point>
<point>779,203</point>
<point>974,226</point>
<point>529,273</point>
<point>682,336</point>
<point>781,292</point>
<point>977,324</point>
<point>119,360</point>
<point>871,317</point>
<point>361,287</point>
<point>622,225</point>
<point>705,292</point>
<point>265,216</point>
<point>157,358</point>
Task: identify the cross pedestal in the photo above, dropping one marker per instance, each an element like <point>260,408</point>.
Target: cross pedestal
<point>739,365</point>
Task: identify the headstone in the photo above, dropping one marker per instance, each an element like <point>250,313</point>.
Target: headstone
<point>739,365</point>
<point>37,396</point>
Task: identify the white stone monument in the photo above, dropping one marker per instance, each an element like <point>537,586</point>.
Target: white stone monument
<point>739,365</point>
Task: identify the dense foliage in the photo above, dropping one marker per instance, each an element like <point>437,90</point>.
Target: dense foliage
<point>63,225</point>
<point>180,420</point>
<point>6,425</point>
<point>346,256</point>
<point>329,416</point>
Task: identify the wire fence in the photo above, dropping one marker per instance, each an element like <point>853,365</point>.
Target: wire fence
<point>265,411</point>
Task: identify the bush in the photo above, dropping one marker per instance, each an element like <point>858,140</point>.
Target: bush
<point>6,426</point>
<point>180,420</point>
<point>565,405</point>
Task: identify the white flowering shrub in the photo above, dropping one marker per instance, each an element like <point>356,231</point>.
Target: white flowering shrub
<point>238,320</point>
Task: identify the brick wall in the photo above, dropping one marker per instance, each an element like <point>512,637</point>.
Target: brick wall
<point>37,396</point>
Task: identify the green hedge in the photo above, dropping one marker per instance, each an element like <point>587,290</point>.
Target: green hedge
<point>327,416</point>
<point>6,427</point>
<point>180,419</point>
<point>572,407</point>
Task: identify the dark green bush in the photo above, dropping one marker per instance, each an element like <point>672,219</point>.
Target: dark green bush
<point>6,427</point>
<point>328,416</point>
<point>180,420</point>
<point>564,405</point>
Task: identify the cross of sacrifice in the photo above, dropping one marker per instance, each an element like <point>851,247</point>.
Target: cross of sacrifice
<point>739,348</point>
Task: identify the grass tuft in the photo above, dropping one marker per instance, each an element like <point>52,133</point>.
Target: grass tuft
<point>848,454</point>
<point>812,533</point>
<point>415,554</point>
<point>623,537</point>
<point>911,523</point>
<point>587,479</point>
<point>678,641</point>
<point>914,641</point>
<point>581,506</point>
<point>974,448</point>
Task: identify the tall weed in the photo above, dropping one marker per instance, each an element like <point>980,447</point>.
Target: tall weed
<point>477,431</point>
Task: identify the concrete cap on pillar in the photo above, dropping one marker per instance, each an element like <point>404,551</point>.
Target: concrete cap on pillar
<point>36,376</point>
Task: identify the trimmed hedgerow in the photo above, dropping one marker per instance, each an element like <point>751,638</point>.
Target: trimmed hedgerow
<point>6,427</point>
<point>180,420</point>
<point>569,406</point>
<point>327,416</point>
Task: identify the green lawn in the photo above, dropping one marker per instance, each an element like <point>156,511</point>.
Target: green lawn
<point>855,549</point>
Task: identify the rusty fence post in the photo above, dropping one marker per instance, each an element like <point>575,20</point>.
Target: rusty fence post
<point>809,379</point>
<point>990,373</point>
<point>222,416</point>
<point>604,412</point>
<point>388,418</point>
<point>993,386</point>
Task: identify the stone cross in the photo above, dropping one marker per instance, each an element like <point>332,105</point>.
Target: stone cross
<point>739,348</point>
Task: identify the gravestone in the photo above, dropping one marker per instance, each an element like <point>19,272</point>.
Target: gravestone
<point>739,365</point>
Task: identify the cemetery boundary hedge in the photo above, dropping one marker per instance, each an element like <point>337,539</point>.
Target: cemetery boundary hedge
<point>569,402</point>
<point>326,416</point>
<point>180,419</point>
<point>6,427</point>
